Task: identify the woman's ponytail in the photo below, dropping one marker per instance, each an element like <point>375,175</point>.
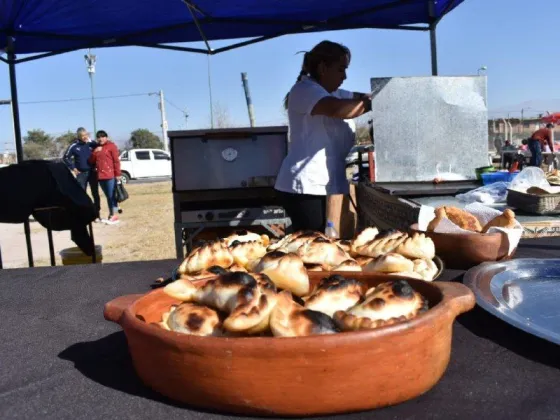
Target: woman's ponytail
<point>302,73</point>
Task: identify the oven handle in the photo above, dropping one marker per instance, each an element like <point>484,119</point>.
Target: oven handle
<point>228,136</point>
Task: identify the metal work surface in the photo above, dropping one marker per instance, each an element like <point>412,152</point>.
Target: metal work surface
<point>409,189</point>
<point>523,293</point>
<point>427,127</point>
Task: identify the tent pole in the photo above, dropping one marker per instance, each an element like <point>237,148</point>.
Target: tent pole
<point>433,49</point>
<point>17,135</point>
<point>433,40</point>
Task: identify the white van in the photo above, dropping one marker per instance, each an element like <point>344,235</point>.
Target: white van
<point>144,163</point>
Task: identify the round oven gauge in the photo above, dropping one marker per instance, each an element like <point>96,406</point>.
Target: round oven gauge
<point>229,154</point>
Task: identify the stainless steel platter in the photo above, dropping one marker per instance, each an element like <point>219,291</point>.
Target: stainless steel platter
<point>523,292</point>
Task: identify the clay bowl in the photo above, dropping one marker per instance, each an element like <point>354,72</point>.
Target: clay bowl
<point>466,251</point>
<point>300,376</point>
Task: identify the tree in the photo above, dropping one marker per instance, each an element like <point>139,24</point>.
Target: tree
<point>221,116</point>
<point>363,129</point>
<point>38,145</point>
<point>142,138</point>
<point>63,141</point>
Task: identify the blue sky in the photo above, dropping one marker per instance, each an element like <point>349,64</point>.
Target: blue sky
<point>517,41</point>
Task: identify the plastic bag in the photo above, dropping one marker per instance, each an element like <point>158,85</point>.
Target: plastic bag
<point>529,177</point>
<point>489,194</point>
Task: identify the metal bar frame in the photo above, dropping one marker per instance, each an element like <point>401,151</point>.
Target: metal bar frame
<point>299,27</point>
<point>17,133</point>
<point>433,39</point>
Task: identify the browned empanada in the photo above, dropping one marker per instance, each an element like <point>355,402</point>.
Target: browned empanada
<point>383,243</point>
<point>322,251</point>
<point>386,304</point>
<point>210,254</point>
<point>245,252</point>
<point>237,294</point>
<point>192,318</point>
<point>389,263</point>
<point>286,270</point>
<point>334,293</point>
<point>290,319</point>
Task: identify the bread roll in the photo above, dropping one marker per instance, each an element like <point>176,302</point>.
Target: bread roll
<point>440,215</point>
<point>505,220</point>
<point>463,219</point>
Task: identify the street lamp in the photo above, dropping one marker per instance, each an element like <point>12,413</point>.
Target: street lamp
<point>483,68</point>
<point>90,63</point>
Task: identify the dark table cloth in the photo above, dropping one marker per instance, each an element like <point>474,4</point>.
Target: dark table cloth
<point>59,359</point>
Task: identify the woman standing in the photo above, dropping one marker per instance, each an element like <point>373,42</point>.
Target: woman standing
<point>320,138</point>
<point>108,167</point>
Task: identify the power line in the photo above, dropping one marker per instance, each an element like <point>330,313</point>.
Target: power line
<point>86,99</point>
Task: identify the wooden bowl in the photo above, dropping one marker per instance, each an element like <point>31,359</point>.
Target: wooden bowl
<point>463,252</point>
<point>301,376</point>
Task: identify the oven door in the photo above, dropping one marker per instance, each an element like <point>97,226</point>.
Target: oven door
<point>227,160</point>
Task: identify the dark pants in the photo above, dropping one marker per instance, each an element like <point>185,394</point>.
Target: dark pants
<point>108,187</point>
<point>536,153</point>
<point>307,212</point>
<point>90,177</point>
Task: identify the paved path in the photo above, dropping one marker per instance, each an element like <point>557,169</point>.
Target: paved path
<point>14,250</point>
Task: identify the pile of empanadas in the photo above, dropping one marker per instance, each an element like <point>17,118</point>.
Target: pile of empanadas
<point>288,260</point>
<point>237,304</point>
<point>467,221</point>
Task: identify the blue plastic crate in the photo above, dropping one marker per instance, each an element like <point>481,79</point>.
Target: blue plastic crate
<point>492,177</point>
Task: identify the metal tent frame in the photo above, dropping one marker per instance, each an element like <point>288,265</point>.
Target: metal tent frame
<point>299,26</point>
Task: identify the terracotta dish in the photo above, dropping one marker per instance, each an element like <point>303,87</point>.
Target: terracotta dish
<point>460,251</point>
<point>271,376</point>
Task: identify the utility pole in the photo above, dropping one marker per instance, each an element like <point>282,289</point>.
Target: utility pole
<point>90,63</point>
<point>248,99</point>
<point>163,121</point>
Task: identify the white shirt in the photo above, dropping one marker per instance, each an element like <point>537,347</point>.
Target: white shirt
<point>315,162</point>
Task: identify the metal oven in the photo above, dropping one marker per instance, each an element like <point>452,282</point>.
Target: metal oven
<point>225,178</point>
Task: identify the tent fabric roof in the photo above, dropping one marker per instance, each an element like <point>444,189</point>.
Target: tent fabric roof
<point>40,26</point>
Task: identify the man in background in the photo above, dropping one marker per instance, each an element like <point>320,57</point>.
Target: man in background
<point>537,142</point>
<point>76,158</point>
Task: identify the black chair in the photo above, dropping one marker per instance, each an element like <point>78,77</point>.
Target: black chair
<point>50,193</point>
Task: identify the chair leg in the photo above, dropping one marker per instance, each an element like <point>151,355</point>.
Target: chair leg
<point>93,256</point>
<point>51,247</point>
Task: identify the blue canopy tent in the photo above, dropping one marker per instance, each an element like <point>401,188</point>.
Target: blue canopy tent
<point>43,28</point>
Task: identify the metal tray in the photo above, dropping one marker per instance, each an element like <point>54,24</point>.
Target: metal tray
<point>522,292</point>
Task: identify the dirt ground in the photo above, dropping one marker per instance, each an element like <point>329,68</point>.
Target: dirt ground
<point>144,233</point>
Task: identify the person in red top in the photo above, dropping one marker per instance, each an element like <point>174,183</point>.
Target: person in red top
<point>105,157</point>
<point>538,140</point>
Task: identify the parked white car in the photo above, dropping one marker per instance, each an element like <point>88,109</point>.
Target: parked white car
<point>144,163</point>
